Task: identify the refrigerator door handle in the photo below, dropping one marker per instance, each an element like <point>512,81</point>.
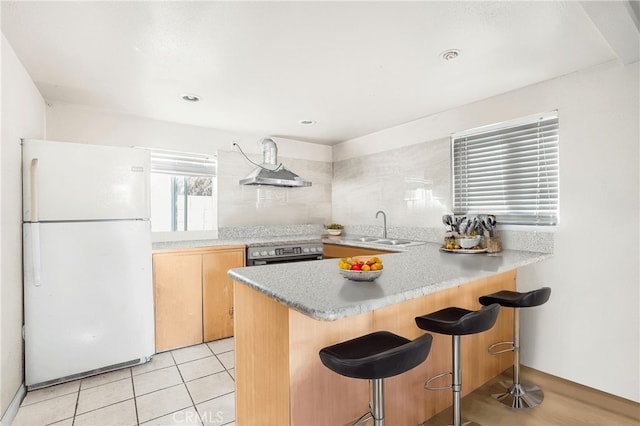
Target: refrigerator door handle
<point>34,190</point>
<point>35,231</point>
<point>35,254</point>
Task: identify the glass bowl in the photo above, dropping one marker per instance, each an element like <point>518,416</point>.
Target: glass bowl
<point>360,275</point>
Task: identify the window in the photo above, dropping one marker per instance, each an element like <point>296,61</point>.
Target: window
<point>509,170</point>
<point>183,191</point>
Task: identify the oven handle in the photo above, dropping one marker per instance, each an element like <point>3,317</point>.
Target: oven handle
<point>259,262</point>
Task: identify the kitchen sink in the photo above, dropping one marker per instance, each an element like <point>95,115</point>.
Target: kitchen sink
<point>384,241</point>
<point>368,239</point>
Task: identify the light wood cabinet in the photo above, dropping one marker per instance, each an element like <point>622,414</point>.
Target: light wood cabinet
<point>177,282</point>
<point>193,295</point>
<point>217,292</point>
<point>331,251</point>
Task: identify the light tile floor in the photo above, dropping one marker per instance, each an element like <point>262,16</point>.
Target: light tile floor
<point>188,386</point>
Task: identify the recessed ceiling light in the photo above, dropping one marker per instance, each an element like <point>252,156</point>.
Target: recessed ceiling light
<point>307,122</point>
<point>450,55</point>
<point>191,98</point>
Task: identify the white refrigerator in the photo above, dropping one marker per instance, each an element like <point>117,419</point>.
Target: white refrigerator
<point>88,292</point>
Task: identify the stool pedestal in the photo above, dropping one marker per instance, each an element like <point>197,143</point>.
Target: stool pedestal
<point>376,405</point>
<point>456,384</point>
<point>457,322</point>
<point>519,394</point>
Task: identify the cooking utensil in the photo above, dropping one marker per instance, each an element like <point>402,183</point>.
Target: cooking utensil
<point>446,219</point>
<point>482,224</point>
<point>473,226</point>
<point>489,223</point>
<point>458,221</point>
<point>464,226</point>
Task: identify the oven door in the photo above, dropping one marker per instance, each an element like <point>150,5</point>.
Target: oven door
<point>275,260</point>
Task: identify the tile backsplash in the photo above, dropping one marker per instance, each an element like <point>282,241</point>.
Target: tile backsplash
<point>247,205</point>
<point>411,184</point>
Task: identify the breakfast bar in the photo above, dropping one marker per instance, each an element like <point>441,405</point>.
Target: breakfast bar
<point>285,313</point>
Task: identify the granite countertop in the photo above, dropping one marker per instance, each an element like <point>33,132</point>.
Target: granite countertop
<point>188,244</point>
<point>317,290</point>
<point>288,239</point>
<point>353,241</point>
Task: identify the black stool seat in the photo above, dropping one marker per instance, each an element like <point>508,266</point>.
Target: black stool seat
<point>459,321</point>
<point>376,356</point>
<point>515,299</point>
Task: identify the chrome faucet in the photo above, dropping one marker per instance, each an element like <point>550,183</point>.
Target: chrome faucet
<point>384,217</point>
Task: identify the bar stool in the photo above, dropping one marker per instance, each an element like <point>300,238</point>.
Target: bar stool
<point>519,394</point>
<point>457,322</point>
<point>374,357</point>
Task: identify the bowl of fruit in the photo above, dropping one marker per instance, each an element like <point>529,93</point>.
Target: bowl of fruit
<point>360,268</point>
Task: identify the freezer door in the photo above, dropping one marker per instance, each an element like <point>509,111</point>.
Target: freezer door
<point>92,304</point>
<point>65,181</point>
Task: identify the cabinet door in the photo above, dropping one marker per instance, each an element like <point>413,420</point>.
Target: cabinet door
<point>217,291</point>
<point>330,251</point>
<point>178,300</point>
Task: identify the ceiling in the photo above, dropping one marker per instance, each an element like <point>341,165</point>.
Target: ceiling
<point>352,67</point>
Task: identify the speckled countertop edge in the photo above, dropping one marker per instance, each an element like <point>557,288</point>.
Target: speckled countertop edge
<point>527,241</point>
<point>287,239</point>
<point>317,290</point>
<point>176,245</point>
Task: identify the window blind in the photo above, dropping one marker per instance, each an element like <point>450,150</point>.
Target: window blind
<point>509,170</point>
<point>182,163</point>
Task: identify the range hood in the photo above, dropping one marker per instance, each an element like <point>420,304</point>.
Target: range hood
<point>272,173</point>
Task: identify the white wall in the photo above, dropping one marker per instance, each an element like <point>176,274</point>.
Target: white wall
<point>75,123</point>
<point>23,115</point>
<point>589,330</point>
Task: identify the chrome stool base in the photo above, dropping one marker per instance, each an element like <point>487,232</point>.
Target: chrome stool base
<point>376,405</point>
<point>463,422</point>
<point>363,419</point>
<point>520,395</point>
<point>466,422</point>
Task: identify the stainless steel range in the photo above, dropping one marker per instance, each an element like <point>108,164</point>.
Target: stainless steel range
<point>283,252</point>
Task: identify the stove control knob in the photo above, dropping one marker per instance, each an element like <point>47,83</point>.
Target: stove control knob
<point>313,249</point>
<point>263,253</point>
<point>305,250</point>
<point>319,249</point>
<point>255,254</point>
<point>272,253</point>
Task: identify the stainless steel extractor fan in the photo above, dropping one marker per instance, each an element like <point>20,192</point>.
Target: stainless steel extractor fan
<point>270,172</point>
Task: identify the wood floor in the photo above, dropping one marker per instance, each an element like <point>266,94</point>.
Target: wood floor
<point>565,404</point>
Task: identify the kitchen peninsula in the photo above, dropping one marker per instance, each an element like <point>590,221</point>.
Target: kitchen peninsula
<point>284,314</point>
